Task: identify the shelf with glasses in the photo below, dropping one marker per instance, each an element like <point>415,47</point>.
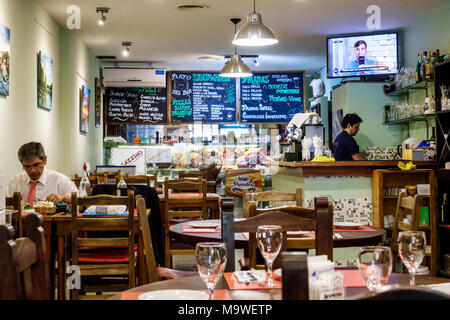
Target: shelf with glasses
<point>422,85</point>
<point>422,117</point>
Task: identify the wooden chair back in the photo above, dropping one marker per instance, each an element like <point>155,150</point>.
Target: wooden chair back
<point>141,179</point>
<point>406,205</point>
<point>150,261</point>
<point>270,196</point>
<point>182,207</point>
<point>24,267</point>
<point>93,180</point>
<point>103,223</point>
<point>191,174</point>
<point>16,203</point>
<point>292,218</point>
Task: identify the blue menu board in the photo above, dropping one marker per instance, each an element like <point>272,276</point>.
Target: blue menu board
<point>272,97</point>
<point>201,96</point>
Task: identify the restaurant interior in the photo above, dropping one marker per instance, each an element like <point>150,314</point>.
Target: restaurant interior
<point>225,150</point>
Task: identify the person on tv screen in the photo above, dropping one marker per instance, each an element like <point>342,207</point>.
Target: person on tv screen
<point>345,147</point>
<point>360,52</point>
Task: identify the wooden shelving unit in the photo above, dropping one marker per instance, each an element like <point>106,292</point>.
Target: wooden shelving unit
<point>386,205</point>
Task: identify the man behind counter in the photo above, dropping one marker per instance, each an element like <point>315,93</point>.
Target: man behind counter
<point>345,147</point>
<point>37,182</point>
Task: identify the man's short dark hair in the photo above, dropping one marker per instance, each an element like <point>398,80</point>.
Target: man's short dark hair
<point>360,42</point>
<point>30,150</point>
<point>350,118</point>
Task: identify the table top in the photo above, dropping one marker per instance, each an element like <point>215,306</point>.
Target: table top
<point>195,283</point>
<point>349,238</point>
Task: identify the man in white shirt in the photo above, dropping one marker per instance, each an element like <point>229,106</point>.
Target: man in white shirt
<point>37,182</point>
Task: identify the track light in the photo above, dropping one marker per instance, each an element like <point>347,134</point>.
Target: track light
<point>102,19</point>
<point>126,50</point>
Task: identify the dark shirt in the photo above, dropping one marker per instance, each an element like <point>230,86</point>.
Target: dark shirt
<point>344,146</point>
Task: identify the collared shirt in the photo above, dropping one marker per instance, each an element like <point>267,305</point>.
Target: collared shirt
<point>344,146</point>
<point>49,182</point>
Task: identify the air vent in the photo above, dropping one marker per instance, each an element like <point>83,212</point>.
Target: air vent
<point>192,7</point>
<point>106,57</point>
<point>209,58</point>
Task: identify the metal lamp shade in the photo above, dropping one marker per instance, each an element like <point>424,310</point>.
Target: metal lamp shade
<point>235,68</point>
<point>254,33</point>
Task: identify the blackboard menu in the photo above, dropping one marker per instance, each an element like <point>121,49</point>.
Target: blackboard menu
<point>269,97</point>
<point>136,105</point>
<point>201,96</point>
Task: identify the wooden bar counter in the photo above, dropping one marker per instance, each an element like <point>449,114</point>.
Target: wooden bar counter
<point>345,168</point>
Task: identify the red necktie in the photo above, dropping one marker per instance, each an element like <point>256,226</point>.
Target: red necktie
<point>32,193</point>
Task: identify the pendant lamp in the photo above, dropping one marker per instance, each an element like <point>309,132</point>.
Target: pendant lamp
<point>254,33</point>
<point>235,68</point>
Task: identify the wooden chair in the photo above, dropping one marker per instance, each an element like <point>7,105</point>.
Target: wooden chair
<point>24,267</point>
<point>270,196</point>
<point>103,257</point>
<point>102,177</point>
<point>211,174</point>
<point>319,219</point>
<point>191,174</point>
<point>93,180</point>
<point>190,207</point>
<point>153,272</point>
<point>16,203</point>
<point>406,205</point>
<point>141,179</point>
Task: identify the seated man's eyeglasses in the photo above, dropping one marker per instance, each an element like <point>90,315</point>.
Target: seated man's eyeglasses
<point>34,165</point>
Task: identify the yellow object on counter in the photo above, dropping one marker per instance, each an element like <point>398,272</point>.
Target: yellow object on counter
<point>323,159</point>
<point>407,154</point>
<point>409,166</point>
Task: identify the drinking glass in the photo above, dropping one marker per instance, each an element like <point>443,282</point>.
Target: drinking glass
<point>269,239</point>
<point>375,266</point>
<point>411,247</point>
<point>211,260</point>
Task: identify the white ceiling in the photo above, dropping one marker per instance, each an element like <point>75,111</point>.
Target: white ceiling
<point>165,36</point>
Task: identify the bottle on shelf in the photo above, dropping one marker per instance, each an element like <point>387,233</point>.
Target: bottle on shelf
<point>428,72</point>
<point>121,185</point>
<point>85,185</point>
<point>424,64</point>
<point>419,68</point>
<point>444,214</point>
<point>438,56</point>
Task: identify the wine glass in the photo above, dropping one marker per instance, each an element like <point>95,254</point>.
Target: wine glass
<point>411,247</point>
<point>375,266</point>
<point>269,243</point>
<point>211,260</point>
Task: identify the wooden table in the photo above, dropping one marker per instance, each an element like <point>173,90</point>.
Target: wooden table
<point>350,238</point>
<point>195,283</point>
<point>212,202</point>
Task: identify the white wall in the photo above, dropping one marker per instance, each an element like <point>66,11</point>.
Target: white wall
<point>21,121</point>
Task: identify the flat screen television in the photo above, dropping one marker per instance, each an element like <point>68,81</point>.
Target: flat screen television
<point>360,55</point>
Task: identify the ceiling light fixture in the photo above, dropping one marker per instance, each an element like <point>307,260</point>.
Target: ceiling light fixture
<point>235,68</point>
<point>126,50</point>
<point>102,19</point>
<point>254,33</point>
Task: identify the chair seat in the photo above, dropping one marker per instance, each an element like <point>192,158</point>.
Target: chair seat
<point>168,274</point>
<point>109,254</point>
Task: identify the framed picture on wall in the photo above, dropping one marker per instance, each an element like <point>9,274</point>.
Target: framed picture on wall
<point>44,81</point>
<point>316,108</point>
<point>98,102</point>
<point>4,60</point>
<point>336,119</point>
<point>85,99</point>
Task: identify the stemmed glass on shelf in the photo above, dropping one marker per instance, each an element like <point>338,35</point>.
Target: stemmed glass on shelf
<point>211,260</point>
<point>375,266</point>
<point>269,240</point>
<point>411,248</point>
